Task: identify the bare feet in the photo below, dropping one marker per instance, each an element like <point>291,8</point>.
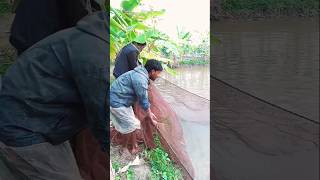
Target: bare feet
<point>125,154</point>
<point>135,150</point>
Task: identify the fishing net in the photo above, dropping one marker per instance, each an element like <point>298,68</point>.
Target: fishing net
<point>183,127</point>
<point>276,143</point>
<point>92,162</point>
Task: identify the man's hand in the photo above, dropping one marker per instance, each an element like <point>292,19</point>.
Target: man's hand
<point>152,117</point>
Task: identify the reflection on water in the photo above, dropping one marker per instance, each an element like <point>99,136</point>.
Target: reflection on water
<point>195,79</point>
<point>276,60</point>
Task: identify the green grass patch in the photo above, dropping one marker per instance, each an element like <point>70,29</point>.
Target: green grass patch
<point>162,167</point>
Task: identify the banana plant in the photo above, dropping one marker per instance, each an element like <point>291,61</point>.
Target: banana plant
<point>126,24</point>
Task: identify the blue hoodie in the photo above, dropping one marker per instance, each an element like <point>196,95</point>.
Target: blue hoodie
<point>130,87</point>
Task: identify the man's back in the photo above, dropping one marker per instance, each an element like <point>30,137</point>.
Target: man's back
<point>51,91</point>
<point>129,87</point>
<point>126,60</point>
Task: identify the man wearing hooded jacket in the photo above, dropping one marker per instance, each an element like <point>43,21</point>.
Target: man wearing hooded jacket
<point>37,19</point>
<point>55,89</point>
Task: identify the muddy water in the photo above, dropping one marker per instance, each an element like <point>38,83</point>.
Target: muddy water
<point>195,79</point>
<point>277,61</point>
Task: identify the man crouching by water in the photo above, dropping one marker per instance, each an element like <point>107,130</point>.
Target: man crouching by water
<point>125,91</point>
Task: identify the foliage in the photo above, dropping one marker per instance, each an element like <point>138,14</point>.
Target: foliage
<point>130,174</point>
<point>302,6</point>
<point>184,48</point>
<point>127,24</point>
<point>162,167</point>
<point>184,42</point>
<point>5,7</point>
<point>194,62</point>
<point>116,166</point>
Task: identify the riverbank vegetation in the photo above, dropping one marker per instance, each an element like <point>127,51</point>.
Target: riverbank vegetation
<point>194,62</point>
<point>264,8</point>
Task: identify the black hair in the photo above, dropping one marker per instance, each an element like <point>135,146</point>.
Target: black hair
<point>139,44</point>
<point>153,64</point>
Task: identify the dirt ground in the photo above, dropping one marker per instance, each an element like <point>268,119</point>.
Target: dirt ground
<point>142,170</point>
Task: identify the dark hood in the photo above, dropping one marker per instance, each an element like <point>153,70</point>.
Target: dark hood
<point>96,24</point>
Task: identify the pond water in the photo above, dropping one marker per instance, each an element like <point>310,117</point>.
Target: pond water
<point>195,79</point>
<point>277,61</point>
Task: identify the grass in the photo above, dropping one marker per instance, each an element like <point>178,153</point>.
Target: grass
<point>162,167</point>
<point>306,7</point>
<point>193,62</point>
<point>129,174</point>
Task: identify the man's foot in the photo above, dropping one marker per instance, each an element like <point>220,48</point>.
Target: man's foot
<point>126,154</point>
<point>135,150</point>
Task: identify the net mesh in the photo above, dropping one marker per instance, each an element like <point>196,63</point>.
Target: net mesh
<point>246,128</point>
<point>92,162</point>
